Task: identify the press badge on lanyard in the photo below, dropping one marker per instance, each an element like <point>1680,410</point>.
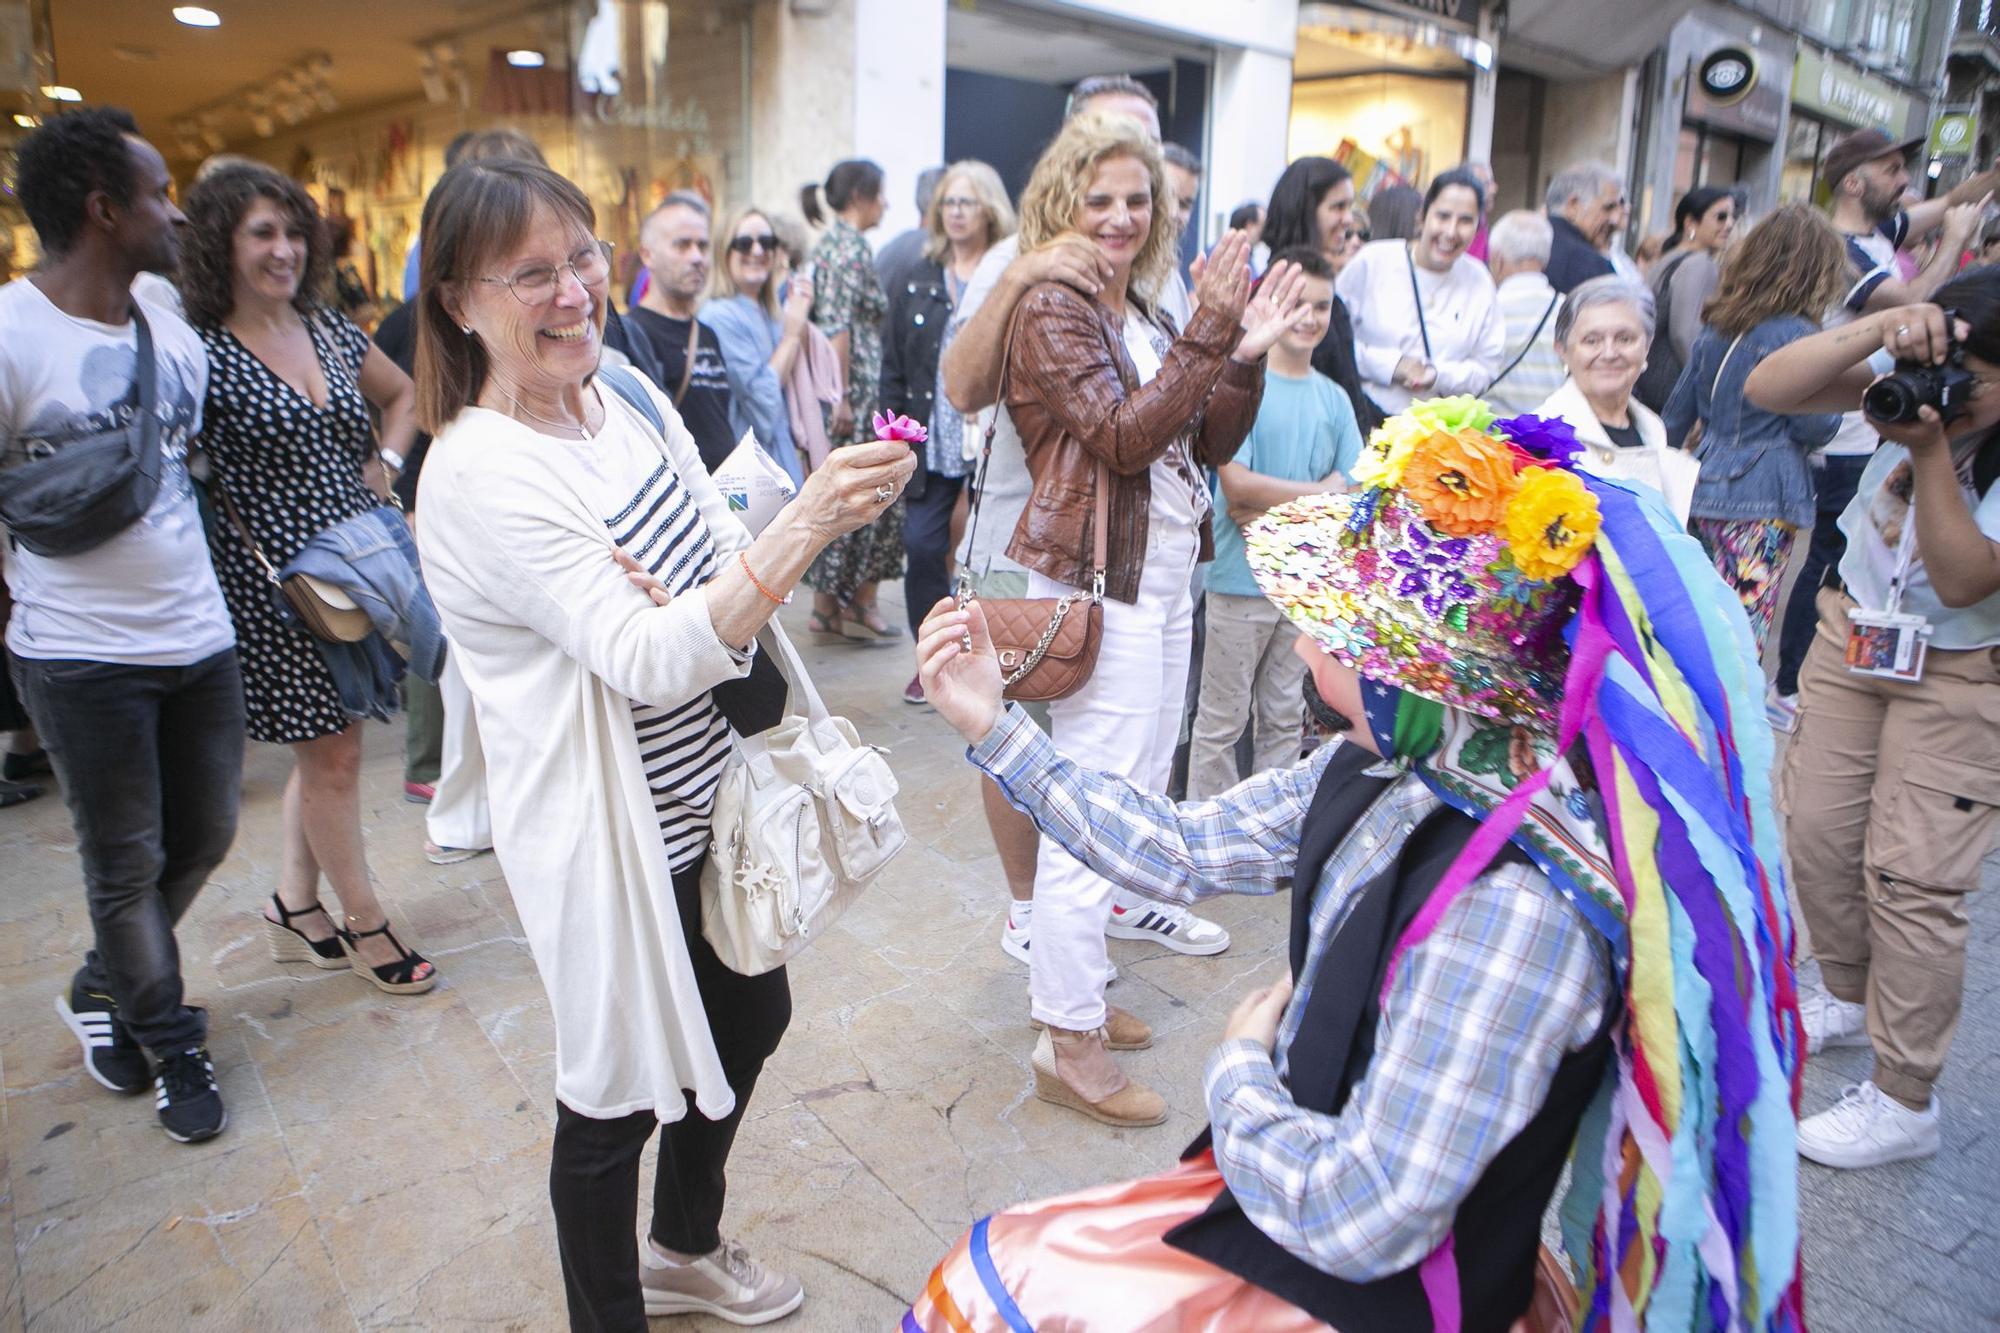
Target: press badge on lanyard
<point>1890,643</point>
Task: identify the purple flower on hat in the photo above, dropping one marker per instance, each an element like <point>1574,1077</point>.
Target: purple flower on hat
<point>1432,569</point>
<point>1548,438</point>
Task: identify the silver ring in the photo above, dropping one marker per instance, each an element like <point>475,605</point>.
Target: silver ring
<point>1902,330</point>
<point>885,493</point>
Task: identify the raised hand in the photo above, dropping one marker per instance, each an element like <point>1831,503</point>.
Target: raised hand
<point>1278,307</point>
<point>853,486</point>
<point>960,673</point>
<point>1224,284</point>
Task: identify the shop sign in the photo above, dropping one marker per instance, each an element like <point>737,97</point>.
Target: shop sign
<point>1953,133</point>
<point>1727,76</point>
<point>1847,95</point>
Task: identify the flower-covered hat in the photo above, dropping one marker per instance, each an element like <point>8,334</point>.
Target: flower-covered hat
<point>1444,574</point>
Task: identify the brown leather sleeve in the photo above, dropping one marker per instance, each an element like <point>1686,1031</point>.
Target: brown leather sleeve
<point>1063,363</point>
<point>1231,410</point>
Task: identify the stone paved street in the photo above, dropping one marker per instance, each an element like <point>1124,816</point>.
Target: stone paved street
<point>385,1164</point>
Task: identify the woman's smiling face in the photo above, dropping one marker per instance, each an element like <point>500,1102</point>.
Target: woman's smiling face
<point>268,252</point>
<point>752,251</point>
<point>1117,209</point>
<point>538,309</point>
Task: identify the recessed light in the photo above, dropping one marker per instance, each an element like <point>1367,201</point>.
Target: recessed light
<point>197,17</point>
<point>525,59</point>
<point>26,121</point>
<point>61,92</point>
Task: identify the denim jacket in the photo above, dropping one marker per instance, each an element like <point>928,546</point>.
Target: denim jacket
<point>1754,464</point>
<point>373,560</point>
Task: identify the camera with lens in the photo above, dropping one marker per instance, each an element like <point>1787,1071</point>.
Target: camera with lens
<point>1896,398</point>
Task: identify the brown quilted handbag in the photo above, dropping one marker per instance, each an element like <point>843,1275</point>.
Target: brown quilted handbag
<point>1047,646</point>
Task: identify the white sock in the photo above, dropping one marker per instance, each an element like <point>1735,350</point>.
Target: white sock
<point>1018,913</point>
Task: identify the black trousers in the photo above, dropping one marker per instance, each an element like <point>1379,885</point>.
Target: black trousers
<point>927,543</point>
<point>151,763</point>
<point>594,1170</point>
<point>1837,482</point>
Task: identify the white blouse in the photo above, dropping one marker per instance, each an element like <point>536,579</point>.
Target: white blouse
<point>1460,314</point>
<point>557,647</point>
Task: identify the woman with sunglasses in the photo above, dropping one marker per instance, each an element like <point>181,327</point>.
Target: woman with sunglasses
<point>760,337</point>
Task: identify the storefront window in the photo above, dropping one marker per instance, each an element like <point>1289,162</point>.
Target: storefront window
<point>1806,142</point>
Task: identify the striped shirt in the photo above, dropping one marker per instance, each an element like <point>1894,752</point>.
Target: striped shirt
<point>683,747</point>
<point>1480,1013</point>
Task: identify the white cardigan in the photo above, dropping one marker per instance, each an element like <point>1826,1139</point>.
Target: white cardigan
<point>555,645</point>
<point>1670,473</point>
<point>1461,313</point>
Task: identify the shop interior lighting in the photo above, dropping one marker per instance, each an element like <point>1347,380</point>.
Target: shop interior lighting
<point>526,59</point>
<point>197,17</point>
<point>61,92</point>
<point>26,121</point>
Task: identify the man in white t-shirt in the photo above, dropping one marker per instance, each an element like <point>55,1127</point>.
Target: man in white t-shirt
<point>1867,174</point>
<point>123,654</point>
<point>971,375</point>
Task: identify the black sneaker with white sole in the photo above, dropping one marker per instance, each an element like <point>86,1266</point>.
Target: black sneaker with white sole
<point>109,1054</point>
<point>185,1095</point>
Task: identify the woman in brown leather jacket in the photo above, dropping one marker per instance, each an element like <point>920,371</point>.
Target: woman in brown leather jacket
<point>1106,391</point>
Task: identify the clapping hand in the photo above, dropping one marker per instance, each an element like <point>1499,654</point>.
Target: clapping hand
<point>961,675</point>
<point>1224,281</point>
<point>1278,307</point>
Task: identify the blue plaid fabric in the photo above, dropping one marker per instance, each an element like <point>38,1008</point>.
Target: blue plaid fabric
<point>1479,1015</point>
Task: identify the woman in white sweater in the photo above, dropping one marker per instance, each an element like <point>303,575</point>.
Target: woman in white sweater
<point>595,589</point>
<point>1426,321</point>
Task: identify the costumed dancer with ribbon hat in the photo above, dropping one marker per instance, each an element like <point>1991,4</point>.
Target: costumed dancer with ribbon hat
<point>1539,914</point>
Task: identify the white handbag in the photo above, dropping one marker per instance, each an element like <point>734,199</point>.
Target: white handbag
<point>805,815</point>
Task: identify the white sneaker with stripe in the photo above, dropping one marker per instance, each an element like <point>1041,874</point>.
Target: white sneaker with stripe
<point>1137,918</point>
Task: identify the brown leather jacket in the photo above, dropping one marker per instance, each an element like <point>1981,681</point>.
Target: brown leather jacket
<point>1076,398</point>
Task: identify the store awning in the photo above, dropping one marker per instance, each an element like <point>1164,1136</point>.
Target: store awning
<point>1585,39</point>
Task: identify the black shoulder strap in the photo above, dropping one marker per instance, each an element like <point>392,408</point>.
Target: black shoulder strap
<point>1417,295</point>
<point>1521,355</point>
<point>146,387</point>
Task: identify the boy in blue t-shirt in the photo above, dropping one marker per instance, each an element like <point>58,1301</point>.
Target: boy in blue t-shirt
<point>1304,441</point>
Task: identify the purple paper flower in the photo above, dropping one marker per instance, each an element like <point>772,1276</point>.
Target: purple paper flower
<point>890,426</point>
<point>1548,438</point>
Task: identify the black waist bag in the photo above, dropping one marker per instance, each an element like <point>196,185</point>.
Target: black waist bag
<point>95,487</point>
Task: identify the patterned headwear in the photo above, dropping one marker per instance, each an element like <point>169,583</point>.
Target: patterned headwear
<point>1603,712</point>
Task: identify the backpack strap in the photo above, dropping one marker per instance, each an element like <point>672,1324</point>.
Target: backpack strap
<point>626,385</point>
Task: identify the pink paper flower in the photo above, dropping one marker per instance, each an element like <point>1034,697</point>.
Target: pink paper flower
<point>896,427</point>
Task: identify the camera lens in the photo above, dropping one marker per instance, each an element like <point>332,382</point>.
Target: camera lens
<point>1896,398</point>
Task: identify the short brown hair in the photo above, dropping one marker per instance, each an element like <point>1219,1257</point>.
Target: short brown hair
<point>1055,192</point>
<point>215,208</point>
<point>1791,263</point>
<point>478,210</point>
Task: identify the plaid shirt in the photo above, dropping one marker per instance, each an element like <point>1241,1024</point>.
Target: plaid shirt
<point>1477,1019</point>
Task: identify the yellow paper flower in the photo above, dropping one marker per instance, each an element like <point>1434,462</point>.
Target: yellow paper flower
<point>1461,481</point>
<point>1388,449</point>
<point>1551,523</point>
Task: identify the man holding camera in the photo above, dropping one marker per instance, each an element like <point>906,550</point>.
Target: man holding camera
<point>1867,173</point>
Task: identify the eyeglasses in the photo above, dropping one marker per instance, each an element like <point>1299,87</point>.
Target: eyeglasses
<point>743,245</point>
<point>955,204</point>
<point>538,284</point>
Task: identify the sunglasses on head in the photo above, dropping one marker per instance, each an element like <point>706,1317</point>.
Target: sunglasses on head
<point>743,245</point>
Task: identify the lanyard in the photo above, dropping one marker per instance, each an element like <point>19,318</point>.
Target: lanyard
<point>1416,295</point>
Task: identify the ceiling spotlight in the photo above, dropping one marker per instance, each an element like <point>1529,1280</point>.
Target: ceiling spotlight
<point>197,17</point>
<point>61,92</point>
<point>26,121</point>
<point>526,59</point>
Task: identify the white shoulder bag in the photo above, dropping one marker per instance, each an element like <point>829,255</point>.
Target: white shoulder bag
<point>805,815</point>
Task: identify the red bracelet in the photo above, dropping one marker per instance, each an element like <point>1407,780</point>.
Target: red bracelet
<point>743,558</point>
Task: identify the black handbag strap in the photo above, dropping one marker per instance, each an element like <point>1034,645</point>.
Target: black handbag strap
<point>1526,347</point>
<point>146,388</point>
<point>1423,329</point>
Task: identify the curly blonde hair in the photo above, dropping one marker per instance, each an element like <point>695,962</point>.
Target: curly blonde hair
<point>985,185</point>
<point>1791,263</point>
<point>1056,192</point>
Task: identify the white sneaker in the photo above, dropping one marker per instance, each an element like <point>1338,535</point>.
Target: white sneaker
<point>1015,934</point>
<point>728,1284</point>
<point>1781,710</point>
<point>1831,1021</point>
<point>1866,1127</point>
<point>1137,918</point>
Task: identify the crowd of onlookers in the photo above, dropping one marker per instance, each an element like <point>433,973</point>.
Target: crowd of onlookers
<point>1100,420</point>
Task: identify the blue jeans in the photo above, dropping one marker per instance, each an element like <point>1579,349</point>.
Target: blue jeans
<point>1836,484</point>
<point>151,763</point>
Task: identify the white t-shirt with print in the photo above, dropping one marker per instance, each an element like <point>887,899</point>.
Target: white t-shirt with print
<point>147,597</point>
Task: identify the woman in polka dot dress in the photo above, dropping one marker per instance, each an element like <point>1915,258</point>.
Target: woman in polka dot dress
<point>286,425</point>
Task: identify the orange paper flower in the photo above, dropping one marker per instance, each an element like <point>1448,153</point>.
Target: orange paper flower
<point>1461,480</point>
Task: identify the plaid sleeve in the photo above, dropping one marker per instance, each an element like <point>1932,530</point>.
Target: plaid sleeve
<point>1244,841</point>
<point>1476,1021</point>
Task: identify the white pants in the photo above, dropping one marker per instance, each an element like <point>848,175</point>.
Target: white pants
<point>1125,720</point>
<point>458,815</point>
<point>1248,670</point>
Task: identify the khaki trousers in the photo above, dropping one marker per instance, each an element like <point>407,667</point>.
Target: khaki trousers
<point>1891,793</point>
<point>1248,669</point>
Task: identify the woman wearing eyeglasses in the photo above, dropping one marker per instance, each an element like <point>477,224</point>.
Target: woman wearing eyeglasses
<point>760,337</point>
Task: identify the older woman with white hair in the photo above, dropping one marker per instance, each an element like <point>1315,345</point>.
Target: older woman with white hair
<point>1603,332</point>
<point>1517,254</point>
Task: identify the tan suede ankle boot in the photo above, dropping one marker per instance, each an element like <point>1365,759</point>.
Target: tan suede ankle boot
<point>1130,1105</point>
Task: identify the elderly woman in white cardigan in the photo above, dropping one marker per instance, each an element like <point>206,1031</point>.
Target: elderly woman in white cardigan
<point>596,589</point>
<point>1603,332</point>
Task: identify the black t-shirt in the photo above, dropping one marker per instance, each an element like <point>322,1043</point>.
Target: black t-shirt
<point>705,409</point>
<point>396,335</point>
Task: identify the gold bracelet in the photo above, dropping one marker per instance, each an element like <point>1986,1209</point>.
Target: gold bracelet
<point>743,559</point>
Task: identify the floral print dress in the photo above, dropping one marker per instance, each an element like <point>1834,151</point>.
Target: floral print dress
<point>848,298</point>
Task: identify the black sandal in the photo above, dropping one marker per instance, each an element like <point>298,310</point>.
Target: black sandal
<point>18,793</point>
<point>395,978</point>
<point>290,945</point>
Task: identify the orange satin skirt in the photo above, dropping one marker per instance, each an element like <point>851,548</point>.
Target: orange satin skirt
<point>1097,1262</point>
